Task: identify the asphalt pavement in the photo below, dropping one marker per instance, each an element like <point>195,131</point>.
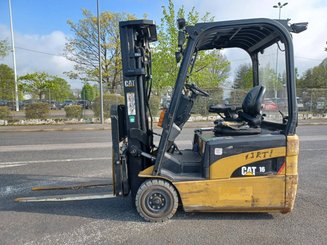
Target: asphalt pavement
<point>65,157</point>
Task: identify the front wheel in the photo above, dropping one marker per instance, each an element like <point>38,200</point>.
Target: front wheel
<point>156,200</point>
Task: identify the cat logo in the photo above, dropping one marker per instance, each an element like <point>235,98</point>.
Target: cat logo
<point>248,171</point>
<point>129,83</point>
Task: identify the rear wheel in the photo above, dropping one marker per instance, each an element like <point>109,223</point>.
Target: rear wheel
<point>156,200</point>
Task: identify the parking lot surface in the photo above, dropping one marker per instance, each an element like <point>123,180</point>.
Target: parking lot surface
<point>70,157</point>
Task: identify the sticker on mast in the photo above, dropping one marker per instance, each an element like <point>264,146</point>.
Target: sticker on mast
<point>129,83</point>
<point>131,110</point>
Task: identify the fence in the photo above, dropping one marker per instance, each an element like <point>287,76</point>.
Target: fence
<point>312,100</point>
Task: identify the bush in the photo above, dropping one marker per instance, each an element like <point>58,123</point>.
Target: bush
<point>201,104</point>
<point>74,111</point>
<point>4,113</point>
<point>108,101</point>
<point>154,105</point>
<point>37,111</point>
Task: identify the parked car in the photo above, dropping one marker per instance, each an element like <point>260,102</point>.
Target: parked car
<point>84,103</point>
<point>300,104</point>
<point>67,103</point>
<point>321,104</point>
<point>269,105</point>
<point>281,103</point>
<point>12,105</point>
<point>54,105</point>
<point>308,106</point>
<point>3,102</point>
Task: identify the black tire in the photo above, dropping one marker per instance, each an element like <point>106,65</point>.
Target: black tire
<point>156,200</point>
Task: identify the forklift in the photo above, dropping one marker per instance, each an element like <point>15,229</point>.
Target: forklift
<point>242,163</point>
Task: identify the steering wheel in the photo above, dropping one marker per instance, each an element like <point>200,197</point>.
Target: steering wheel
<point>196,90</point>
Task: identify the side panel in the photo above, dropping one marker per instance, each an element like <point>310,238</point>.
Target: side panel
<point>235,194</point>
<point>252,193</point>
<point>225,167</point>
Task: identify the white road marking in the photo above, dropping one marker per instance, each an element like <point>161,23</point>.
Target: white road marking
<point>11,165</point>
<point>313,138</point>
<point>317,149</point>
<point>53,161</point>
<point>44,147</point>
<point>58,160</point>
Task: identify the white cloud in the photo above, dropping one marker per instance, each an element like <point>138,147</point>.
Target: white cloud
<point>39,53</point>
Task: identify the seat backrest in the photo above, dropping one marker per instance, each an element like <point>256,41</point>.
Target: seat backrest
<point>253,101</point>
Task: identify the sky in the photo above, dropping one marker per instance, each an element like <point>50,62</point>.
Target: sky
<point>40,26</point>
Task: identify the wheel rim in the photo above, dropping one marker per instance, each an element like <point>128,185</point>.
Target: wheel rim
<point>157,203</point>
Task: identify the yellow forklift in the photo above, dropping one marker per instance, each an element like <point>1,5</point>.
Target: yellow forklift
<point>243,163</point>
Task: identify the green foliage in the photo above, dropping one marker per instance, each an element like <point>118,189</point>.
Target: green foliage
<point>270,80</point>
<point>89,92</point>
<point>4,48</point>
<point>36,83</point>
<point>59,89</point>
<point>315,77</point>
<point>4,113</point>
<point>108,100</point>
<point>74,111</point>
<point>37,111</point>
<point>237,96</point>
<point>44,86</point>
<point>154,104</point>
<point>82,48</point>
<point>244,77</point>
<point>7,83</point>
<point>96,91</point>
<point>211,67</point>
<point>201,104</point>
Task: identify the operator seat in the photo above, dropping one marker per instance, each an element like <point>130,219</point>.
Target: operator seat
<point>248,119</point>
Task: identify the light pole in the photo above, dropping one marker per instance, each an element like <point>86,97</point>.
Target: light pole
<point>279,6</point>
<point>100,67</point>
<point>13,56</point>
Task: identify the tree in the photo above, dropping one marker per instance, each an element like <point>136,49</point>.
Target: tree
<point>244,77</point>
<point>82,48</point>
<point>59,89</point>
<point>211,67</point>
<point>271,81</point>
<point>4,48</point>
<point>7,83</point>
<point>44,86</point>
<point>315,77</point>
<point>88,92</point>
